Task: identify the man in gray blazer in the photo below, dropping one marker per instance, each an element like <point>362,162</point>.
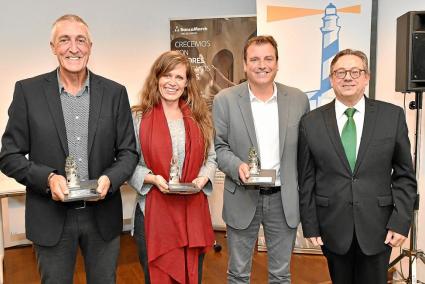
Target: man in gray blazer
<point>262,114</point>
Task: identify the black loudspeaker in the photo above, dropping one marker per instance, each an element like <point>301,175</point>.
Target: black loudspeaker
<point>410,52</point>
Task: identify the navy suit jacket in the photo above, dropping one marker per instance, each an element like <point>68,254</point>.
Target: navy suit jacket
<point>36,128</point>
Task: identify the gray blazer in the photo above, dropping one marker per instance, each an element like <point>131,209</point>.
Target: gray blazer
<point>235,133</point>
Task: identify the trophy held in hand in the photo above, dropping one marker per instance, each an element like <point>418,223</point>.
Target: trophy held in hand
<point>174,184</point>
<point>258,176</point>
<point>78,190</point>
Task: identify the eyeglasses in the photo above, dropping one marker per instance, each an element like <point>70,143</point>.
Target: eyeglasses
<point>354,73</point>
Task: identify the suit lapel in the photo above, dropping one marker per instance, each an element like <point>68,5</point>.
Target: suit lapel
<point>246,111</point>
<point>369,123</point>
<point>332,127</point>
<point>283,111</point>
<point>96,94</point>
<point>51,92</point>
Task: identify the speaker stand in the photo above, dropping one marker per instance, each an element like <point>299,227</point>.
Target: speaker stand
<point>413,253</point>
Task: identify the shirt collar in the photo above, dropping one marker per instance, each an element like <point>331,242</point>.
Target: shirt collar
<point>253,98</point>
<point>340,107</point>
<point>85,86</point>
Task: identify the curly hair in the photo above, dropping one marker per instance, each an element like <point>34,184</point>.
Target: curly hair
<point>150,96</point>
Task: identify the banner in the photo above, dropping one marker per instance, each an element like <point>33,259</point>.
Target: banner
<point>309,33</point>
<point>215,48</point>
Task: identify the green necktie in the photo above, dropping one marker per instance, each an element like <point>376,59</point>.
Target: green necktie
<point>349,137</point>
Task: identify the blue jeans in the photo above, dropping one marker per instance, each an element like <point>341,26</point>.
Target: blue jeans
<point>280,240</point>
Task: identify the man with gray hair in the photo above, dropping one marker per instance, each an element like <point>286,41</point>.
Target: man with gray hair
<point>71,112</point>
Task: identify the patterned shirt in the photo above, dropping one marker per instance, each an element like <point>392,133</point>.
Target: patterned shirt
<point>75,110</point>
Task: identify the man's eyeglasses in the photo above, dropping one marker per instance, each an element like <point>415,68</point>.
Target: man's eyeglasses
<point>354,73</point>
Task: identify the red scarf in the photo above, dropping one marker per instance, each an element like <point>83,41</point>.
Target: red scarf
<point>178,227</point>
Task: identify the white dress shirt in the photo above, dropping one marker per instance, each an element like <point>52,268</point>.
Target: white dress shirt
<point>266,122</point>
<point>358,117</point>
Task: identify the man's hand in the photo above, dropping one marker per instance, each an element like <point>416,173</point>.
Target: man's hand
<point>394,239</point>
<point>103,185</point>
<point>244,172</point>
<point>316,241</point>
<point>58,187</point>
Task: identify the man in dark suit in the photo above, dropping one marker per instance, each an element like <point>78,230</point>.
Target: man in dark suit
<point>70,112</point>
<point>357,184</point>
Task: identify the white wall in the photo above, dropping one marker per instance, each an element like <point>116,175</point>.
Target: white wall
<point>127,36</point>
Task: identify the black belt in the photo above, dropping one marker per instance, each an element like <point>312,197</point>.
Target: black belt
<point>80,204</point>
<point>268,190</point>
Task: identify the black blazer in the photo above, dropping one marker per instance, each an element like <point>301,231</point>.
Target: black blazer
<point>379,195</point>
<point>36,127</point>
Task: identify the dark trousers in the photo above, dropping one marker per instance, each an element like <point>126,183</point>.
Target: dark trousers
<point>139,235</point>
<point>355,267</point>
<point>56,264</point>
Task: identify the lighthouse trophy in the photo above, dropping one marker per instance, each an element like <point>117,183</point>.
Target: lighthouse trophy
<point>174,184</point>
<point>78,190</point>
<point>258,176</point>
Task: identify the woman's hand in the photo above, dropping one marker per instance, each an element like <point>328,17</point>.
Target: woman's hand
<point>200,182</point>
<point>160,183</point>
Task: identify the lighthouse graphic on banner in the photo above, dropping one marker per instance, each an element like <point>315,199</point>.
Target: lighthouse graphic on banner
<point>330,47</point>
<point>309,35</point>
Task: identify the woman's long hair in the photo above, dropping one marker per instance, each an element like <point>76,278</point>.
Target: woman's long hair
<point>150,95</point>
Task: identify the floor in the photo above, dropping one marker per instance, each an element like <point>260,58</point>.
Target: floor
<point>20,266</point>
